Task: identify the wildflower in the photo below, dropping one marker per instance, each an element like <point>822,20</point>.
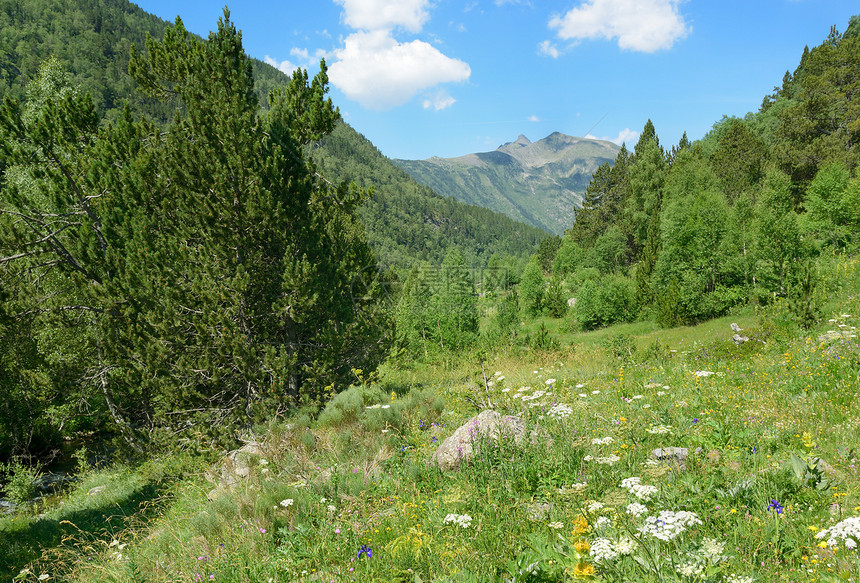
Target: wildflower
<point>262,530</point>
<point>287,503</point>
<point>625,546</point>
<point>365,550</point>
<point>690,569</point>
<point>668,524</point>
<point>848,531</point>
<point>556,525</point>
<point>595,506</point>
<point>550,381</point>
<point>583,570</point>
<point>636,509</point>
<point>461,520</point>
<point>703,373</point>
<point>601,441</point>
<point>44,577</point>
<point>580,525</point>
<point>739,579</point>
<point>601,550</point>
<point>560,411</point>
<point>713,549</point>
<point>660,429</point>
<point>602,522</point>
<point>774,505</point>
<point>337,531</point>
<point>581,546</point>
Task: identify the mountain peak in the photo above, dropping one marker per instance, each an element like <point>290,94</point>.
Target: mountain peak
<point>521,139</point>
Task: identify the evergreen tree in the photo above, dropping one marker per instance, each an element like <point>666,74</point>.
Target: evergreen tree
<point>531,293</point>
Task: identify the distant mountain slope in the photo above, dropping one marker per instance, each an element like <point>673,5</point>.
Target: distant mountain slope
<point>405,222</point>
<point>539,183</point>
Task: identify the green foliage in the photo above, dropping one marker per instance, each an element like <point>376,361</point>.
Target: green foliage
<point>547,251</point>
<point>212,270</point>
<point>20,481</point>
<point>507,316</point>
<point>532,288</point>
<point>366,405</point>
<point>569,258</point>
<point>555,299</point>
<point>604,302</point>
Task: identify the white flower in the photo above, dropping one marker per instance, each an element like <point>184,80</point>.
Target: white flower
<point>847,530</point>
<point>608,460</point>
<point>602,522</point>
<point>703,373</point>
<point>549,381</point>
<point>712,549</point>
<point>560,411</point>
<point>690,569</point>
<point>602,441</point>
<point>44,576</point>
<point>661,393</point>
<point>287,503</point>
<point>739,579</point>
<point>461,520</point>
<point>595,392</point>
<point>331,508</point>
<point>264,462</point>
<point>595,506</point>
<point>583,395</point>
<point>579,486</point>
<point>636,509</point>
<point>579,385</point>
<point>625,546</point>
<point>556,525</point>
<point>602,550</point>
<point>668,524</point>
<point>626,483</point>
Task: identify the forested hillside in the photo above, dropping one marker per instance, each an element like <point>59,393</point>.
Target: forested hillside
<point>685,233</point>
<point>92,40</point>
<point>539,183</point>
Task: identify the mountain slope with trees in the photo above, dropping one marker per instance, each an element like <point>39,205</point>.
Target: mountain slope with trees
<point>93,39</point>
<point>539,183</point>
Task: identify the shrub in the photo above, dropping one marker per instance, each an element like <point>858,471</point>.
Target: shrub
<point>605,302</point>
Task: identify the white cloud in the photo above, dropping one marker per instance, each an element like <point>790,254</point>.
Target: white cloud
<point>284,66</point>
<point>533,118</point>
<point>439,101</point>
<point>385,14</point>
<point>379,72</point>
<point>548,49</point>
<point>639,25</point>
<point>626,135</point>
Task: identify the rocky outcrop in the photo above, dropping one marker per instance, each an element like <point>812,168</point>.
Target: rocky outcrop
<point>461,445</point>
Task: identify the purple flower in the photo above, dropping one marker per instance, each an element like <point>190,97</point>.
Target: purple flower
<point>434,440</point>
<point>365,550</point>
<point>775,505</point>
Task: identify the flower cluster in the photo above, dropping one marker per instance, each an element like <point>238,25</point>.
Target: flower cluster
<point>660,429</point>
<point>602,550</point>
<point>637,488</point>
<point>848,531</point>
<point>636,509</point>
<point>606,460</point>
<point>669,524</point>
<point>560,411</point>
<point>602,441</point>
<point>461,520</point>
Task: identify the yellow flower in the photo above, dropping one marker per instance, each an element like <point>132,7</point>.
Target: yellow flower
<point>822,545</point>
<point>582,546</point>
<point>580,525</point>
<point>812,527</point>
<point>583,570</point>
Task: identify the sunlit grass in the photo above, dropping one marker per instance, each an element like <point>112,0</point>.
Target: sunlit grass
<point>356,497</point>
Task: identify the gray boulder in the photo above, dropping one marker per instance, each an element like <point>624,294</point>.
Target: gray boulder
<point>460,446</point>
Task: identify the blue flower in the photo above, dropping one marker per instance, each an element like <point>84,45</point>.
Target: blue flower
<point>365,550</point>
<point>434,440</point>
<point>774,505</point>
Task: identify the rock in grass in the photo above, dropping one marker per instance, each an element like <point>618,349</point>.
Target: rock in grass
<point>460,446</point>
<point>672,455</point>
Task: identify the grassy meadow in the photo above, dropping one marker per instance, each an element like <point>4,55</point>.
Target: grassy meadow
<point>768,491</point>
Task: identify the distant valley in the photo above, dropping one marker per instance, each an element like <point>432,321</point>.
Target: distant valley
<point>539,183</point>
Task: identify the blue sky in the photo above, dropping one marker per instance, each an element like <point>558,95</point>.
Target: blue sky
<point>423,78</point>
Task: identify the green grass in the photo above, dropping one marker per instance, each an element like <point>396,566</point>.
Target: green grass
<point>754,429</point>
